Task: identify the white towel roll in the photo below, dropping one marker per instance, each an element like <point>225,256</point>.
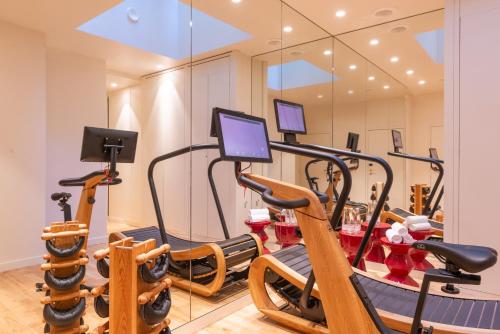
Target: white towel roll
<point>408,239</point>
<point>420,227</point>
<point>264,211</point>
<point>393,236</point>
<point>416,220</point>
<point>399,229</point>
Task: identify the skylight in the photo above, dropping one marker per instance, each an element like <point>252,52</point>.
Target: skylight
<point>296,74</point>
<point>163,27</point>
<point>433,43</point>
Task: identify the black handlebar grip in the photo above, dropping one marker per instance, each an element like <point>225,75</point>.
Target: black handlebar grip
<point>58,196</point>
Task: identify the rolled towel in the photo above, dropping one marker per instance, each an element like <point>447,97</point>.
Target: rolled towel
<point>393,236</point>
<point>408,239</point>
<point>416,220</point>
<point>399,229</point>
<point>259,218</point>
<point>264,211</point>
<point>420,227</point>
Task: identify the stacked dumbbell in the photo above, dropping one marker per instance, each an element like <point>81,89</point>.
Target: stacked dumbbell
<point>64,300</point>
<point>418,197</point>
<point>137,297</point>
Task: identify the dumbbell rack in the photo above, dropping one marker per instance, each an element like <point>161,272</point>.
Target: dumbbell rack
<point>137,298</point>
<point>419,195</point>
<point>64,300</point>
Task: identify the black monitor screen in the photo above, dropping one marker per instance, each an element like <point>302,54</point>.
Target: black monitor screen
<point>290,117</point>
<point>352,141</point>
<point>397,140</point>
<point>433,153</point>
<point>97,143</point>
<point>242,137</point>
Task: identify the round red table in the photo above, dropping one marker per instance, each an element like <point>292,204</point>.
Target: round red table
<point>399,263</point>
<point>350,243</point>
<point>377,253</point>
<point>417,255</point>
<point>286,234</point>
<point>259,229</point>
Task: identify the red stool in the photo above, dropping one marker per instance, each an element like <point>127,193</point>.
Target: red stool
<point>399,263</point>
<point>350,243</point>
<point>419,256</point>
<point>377,253</point>
<point>286,234</point>
<point>259,229</point>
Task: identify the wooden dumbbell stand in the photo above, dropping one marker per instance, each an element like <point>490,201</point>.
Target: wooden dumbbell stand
<point>127,291</point>
<point>64,272</point>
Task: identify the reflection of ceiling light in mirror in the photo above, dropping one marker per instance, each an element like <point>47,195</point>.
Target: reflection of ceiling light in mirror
<point>274,42</point>
<point>371,78</point>
<point>320,96</point>
<point>410,72</point>
<point>327,52</point>
<point>236,1</point>
<point>394,59</point>
<point>287,28</point>
<point>386,87</point>
<point>374,41</point>
<point>384,12</point>
<point>422,82</point>
<point>114,85</point>
<point>132,15</point>
<point>350,92</point>
<point>398,29</point>
<point>296,53</point>
<point>353,67</point>
<point>340,13</point>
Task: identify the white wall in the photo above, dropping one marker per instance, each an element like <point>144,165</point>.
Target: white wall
<point>472,118</point>
<point>76,97</point>
<point>47,97</point>
<point>22,145</point>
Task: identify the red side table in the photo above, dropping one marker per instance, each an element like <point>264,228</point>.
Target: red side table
<point>286,234</point>
<point>377,253</point>
<point>419,256</point>
<point>399,263</point>
<point>350,243</point>
<point>259,229</point>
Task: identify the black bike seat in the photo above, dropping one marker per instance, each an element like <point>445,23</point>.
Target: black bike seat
<point>472,259</point>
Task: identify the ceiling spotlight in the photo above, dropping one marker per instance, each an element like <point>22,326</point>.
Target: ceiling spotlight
<point>340,13</point>
<point>422,82</point>
<point>287,28</point>
<point>132,15</point>
<point>350,92</point>
<point>374,42</point>
<point>352,67</point>
<point>274,42</point>
<point>327,52</point>
<point>410,72</point>
<point>160,67</point>
<point>386,87</point>
<point>236,1</point>
<point>371,78</point>
<point>394,59</point>
<point>320,96</point>
<point>384,12</point>
<point>114,85</point>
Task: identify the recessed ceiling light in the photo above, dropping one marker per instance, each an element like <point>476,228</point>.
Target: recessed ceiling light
<point>350,92</point>
<point>398,29</point>
<point>394,59</point>
<point>160,67</point>
<point>352,67</point>
<point>374,41</point>
<point>296,53</point>
<point>384,12</point>
<point>274,42</point>
<point>327,52</point>
<point>410,71</point>
<point>320,96</point>
<point>422,82</point>
<point>287,28</point>
<point>340,13</point>
<point>236,1</point>
<point>114,85</point>
<point>386,87</point>
<point>371,78</point>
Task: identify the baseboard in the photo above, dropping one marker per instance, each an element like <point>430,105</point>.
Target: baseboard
<point>98,240</point>
<point>222,312</point>
<point>20,263</point>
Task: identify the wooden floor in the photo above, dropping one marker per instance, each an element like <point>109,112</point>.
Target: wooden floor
<point>21,311</point>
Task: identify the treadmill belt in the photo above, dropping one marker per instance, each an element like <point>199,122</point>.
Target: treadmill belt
<point>152,232</point>
<point>484,314</point>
